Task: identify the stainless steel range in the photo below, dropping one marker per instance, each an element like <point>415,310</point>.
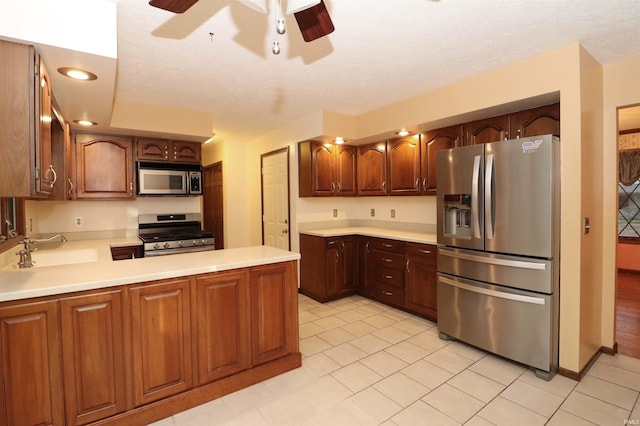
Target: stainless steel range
<point>164,234</point>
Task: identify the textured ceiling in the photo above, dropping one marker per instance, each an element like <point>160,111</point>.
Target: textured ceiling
<point>217,56</point>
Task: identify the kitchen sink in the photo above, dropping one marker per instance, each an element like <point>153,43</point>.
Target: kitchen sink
<point>58,257</point>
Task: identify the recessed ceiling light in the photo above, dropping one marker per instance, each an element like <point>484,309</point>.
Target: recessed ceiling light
<point>77,73</point>
<point>403,132</point>
<point>339,140</point>
<point>85,122</point>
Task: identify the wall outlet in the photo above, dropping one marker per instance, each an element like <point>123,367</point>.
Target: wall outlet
<point>335,212</point>
<point>78,220</point>
<point>373,212</point>
<point>393,213</point>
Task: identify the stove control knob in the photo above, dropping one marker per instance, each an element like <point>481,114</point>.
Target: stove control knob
<point>203,242</point>
<point>156,246</point>
<point>166,245</point>
<point>195,242</point>
<point>180,243</point>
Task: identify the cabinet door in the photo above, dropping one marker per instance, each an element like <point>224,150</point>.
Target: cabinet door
<point>486,130</point>
<point>161,339</point>
<point>274,313</point>
<point>537,121</point>
<point>46,175</point>
<point>93,356</point>
<point>404,165</point>
<point>421,280</point>
<point>62,158</point>
<point>340,264</point>
<point>223,338</point>
<point>152,149</point>
<point>104,166</point>
<point>430,143</point>
<point>323,168</point>
<point>186,152</point>
<point>31,391</point>
<point>346,170</point>
<point>362,269</point>
<point>372,169</point>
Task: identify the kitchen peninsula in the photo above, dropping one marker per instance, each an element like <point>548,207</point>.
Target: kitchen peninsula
<point>138,340</point>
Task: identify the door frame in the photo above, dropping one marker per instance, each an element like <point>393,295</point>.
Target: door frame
<point>262,157</point>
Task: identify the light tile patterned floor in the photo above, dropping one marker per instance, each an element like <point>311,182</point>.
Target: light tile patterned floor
<point>367,364</point>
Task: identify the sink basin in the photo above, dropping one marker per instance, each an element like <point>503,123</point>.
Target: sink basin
<point>60,257</point>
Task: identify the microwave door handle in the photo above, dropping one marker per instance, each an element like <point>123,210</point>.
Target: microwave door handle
<point>475,180</point>
<point>488,198</point>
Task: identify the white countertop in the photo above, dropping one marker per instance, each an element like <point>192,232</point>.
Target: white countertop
<point>394,234</point>
<point>104,272</point>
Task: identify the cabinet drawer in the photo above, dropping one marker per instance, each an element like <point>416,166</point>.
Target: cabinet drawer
<point>387,294</point>
<point>388,260</point>
<point>390,246</point>
<point>426,253</point>
<point>388,276</point>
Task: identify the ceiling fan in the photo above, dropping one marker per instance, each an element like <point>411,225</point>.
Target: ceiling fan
<point>312,15</point>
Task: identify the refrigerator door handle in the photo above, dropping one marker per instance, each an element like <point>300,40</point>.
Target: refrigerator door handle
<point>475,220</point>
<point>492,293</point>
<point>488,198</point>
<point>494,261</point>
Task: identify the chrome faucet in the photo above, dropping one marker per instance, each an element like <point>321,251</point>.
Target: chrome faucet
<point>25,254</point>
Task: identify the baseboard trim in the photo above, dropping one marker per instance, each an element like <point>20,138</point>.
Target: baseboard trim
<point>580,374</point>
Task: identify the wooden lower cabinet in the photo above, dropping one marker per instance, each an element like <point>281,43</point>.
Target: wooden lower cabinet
<point>161,339</point>
<point>397,273</point>
<point>223,339</point>
<point>93,356</point>
<point>421,279</point>
<point>327,266</point>
<point>274,312</point>
<point>31,386</point>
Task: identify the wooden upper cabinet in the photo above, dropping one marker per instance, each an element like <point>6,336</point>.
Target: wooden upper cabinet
<point>31,391</point>
<point>372,169</point>
<point>430,143</point>
<point>486,130</point>
<point>403,155</point>
<point>346,161</point>
<point>223,328</point>
<point>326,169</point>
<point>93,356</point>
<point>537,121</point>
<point>152,149</point>
<point>104,166</point>
<point>161,338</point>
<point>25,123</point>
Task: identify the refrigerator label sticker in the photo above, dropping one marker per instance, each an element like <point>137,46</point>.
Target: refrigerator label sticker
<point>531,146</point>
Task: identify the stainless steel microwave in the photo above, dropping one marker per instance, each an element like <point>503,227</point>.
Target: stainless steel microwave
<point>169,179</point>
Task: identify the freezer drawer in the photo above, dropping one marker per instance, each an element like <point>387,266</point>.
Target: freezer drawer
<point>518,325</point>
<point>511,271</point>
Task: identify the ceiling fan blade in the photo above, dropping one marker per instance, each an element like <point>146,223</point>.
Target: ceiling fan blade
<point>175,6</point>
<point>314,22</point>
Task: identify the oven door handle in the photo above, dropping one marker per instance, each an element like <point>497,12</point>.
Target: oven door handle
<point>492,293</point>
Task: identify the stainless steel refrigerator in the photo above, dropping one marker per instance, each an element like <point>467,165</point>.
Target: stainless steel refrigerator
<point>498,257</point>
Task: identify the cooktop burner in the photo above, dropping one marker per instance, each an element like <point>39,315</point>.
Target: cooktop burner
<point>173,233</point>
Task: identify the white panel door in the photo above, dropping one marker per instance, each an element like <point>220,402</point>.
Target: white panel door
<point>275,199</point>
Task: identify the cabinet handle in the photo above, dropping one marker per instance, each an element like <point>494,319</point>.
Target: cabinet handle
<point>337,257</point>
<point>384,185</point>
<point>387,245</point>
<point>408,264</point>
<point>387,276</point>
<point>386,259</point>
<point>387,293</point>
<point>339,187</point>
<point>51,171</point>
<point>424,184</point>
<point>417,183</point>
<point>70,191</point>
<point>367,246</point>
<point>333,187</point>
<point>130,187</point>
<point>332,242</point>
<point>424,251</point>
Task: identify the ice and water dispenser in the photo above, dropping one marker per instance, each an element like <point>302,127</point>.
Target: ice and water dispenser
<point>457,215</point>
